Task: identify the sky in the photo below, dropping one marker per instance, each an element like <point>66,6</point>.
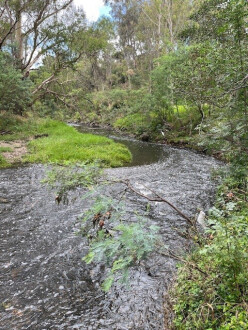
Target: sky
<point>93,8</point>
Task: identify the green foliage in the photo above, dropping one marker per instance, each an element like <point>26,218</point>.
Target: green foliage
<point>3,161</point>
<point>224,138</point>
<point>17,127</point>
<point>217,297</point>
<point>5,149</point>
<point>117,244</point>
<point>182,78</point>
<point>120,102</point>
<point>134,111</point>
<point>137,123</point>
<point>64,179</point>
<point>15,93</point>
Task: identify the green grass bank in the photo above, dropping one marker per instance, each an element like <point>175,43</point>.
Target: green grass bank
<point>50,141</point>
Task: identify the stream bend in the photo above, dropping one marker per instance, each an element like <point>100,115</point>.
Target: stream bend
<point>45,284</point>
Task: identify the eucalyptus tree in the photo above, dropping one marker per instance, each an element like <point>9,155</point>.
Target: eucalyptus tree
<point>27,26</point>
<point>147,29</point>
<point>45,39</point>
<point>210,70</point>
<point>224,26</point>
<point>160,23</point>
<point>125,14</point>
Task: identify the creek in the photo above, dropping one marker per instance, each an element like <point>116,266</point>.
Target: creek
<point>45,284</point>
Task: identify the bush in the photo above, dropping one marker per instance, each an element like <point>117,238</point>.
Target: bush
<point>118,245</point>
<point>15,94</point>
<point>133,123</point>
<point>216,297</point>
<point>120,103</point>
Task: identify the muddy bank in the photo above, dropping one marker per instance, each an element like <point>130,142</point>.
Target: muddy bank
<point>17,150</point>
<point>45,285</point>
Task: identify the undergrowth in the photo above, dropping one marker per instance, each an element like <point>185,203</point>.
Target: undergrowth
<point>3,161</point>
<point>13,127</point>
<point>217,297</point>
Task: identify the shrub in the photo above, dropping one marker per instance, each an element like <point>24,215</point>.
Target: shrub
<point>15,94</point>
<point>216,297</point>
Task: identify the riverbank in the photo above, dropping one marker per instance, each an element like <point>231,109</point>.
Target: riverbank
<point>49,141</point>
<point>210,291</point>
<point>193,142</point>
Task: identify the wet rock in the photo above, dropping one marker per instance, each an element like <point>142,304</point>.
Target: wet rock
<point>145,137</point>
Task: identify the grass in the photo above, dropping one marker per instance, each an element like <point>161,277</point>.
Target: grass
<point>63,144</point>
<point>3,162</point>
<point>5,149</point>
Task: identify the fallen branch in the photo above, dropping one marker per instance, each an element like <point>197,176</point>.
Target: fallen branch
<point>158,199</point>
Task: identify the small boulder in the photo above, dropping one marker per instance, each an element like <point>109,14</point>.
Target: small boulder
<point>145,137</point>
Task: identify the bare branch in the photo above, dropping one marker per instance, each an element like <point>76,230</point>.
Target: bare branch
<point>40,20</point>
<point>8,33</point>
<point>158,199</point>
<point>150,19</point>
<point>44,83</point>
<point>4,8</point>
<point>31,61</point>
<point>58,96</point>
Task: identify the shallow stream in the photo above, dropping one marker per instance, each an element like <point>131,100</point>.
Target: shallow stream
<point>45,284</point>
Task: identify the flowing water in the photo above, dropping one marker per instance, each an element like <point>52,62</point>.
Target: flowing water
<point>45,284</point>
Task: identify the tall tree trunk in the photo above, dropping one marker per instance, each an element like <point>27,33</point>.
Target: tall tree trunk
<point>18,34</point>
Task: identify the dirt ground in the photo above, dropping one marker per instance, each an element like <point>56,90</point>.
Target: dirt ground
<point>18,150</point>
